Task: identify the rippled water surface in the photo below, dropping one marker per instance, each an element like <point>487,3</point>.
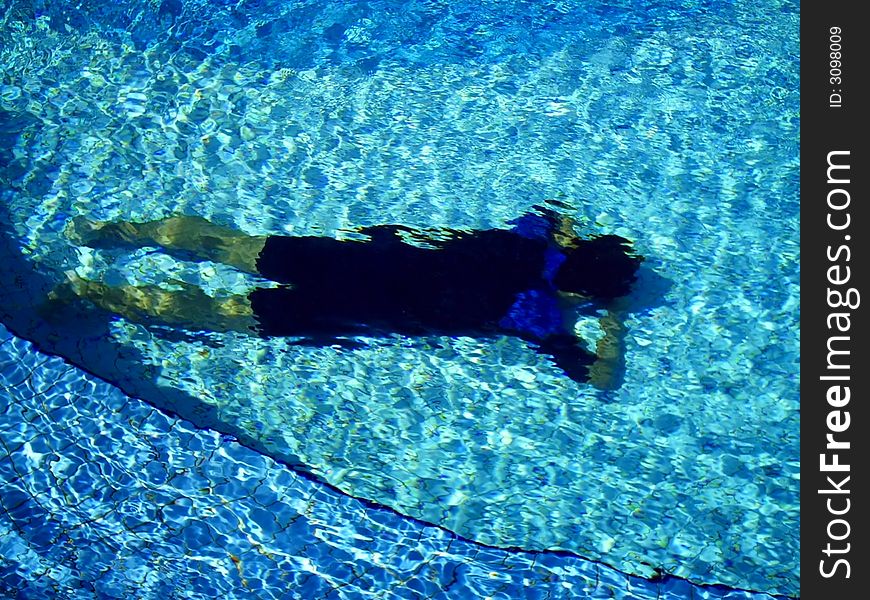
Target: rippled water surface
<point>672,124</point>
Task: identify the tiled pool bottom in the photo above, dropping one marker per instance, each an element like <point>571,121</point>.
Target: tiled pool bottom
<point>102,496</point>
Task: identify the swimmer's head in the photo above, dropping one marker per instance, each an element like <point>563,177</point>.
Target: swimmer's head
<point>603,268</point>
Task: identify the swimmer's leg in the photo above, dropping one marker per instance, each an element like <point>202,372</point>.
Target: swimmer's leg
<point>190,307</point>
<point>192,236</point>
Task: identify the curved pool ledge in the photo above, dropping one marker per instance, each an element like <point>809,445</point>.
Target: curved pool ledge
<point>104,496</point>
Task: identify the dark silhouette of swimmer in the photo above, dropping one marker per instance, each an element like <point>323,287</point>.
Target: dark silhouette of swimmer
<point>530,281</point>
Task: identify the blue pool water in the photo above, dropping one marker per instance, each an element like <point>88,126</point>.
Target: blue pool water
<point>410,468</point>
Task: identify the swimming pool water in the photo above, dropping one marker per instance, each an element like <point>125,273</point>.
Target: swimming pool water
<point>672,124</point>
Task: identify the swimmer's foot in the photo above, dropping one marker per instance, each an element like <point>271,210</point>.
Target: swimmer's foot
<point>104,234</point>
<point>71,289</point>
<point>63,293</point>
<point>59,300</point>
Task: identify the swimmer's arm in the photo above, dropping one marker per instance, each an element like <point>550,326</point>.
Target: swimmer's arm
<point>569,354</point>
<point>606,373</point>
<point>564,233</point>
<point>560,228</point>
<point>605,368</point>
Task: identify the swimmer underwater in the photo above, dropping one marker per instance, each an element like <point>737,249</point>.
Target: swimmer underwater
<point>531,281</point>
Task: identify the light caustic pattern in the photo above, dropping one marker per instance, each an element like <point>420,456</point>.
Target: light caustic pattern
<point>675,127</point>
